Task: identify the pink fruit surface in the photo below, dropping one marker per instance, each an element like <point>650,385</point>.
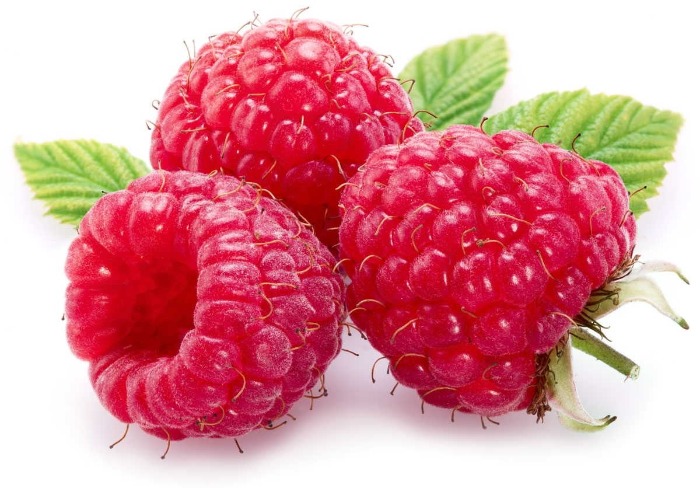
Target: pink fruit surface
<point>204,307</point>
<point>293,105</point>
<point>471,254</point>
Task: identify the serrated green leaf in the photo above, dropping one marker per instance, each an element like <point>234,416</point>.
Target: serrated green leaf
<point>70,175</point>
<point>635,139</point>
<point>457,81</point>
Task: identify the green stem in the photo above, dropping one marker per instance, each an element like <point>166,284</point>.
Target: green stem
<point>584,341</point>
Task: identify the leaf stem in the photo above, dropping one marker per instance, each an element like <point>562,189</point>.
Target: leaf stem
<point>584,341</point>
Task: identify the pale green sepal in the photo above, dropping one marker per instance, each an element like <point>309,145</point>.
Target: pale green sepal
<point>583,427</point>
<point>645,267</point>
<point>563,397</point>
<point>639,289</point>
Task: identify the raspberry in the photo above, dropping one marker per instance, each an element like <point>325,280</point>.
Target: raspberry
<point>470,256</point>
<point>293,105</point>
<point>204,308</point>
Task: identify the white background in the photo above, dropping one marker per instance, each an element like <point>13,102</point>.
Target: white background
<point>91,71</point>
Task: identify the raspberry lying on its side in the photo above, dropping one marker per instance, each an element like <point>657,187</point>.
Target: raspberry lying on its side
<point>204,308</point>
<point>471,255</point>
<point>293,105</point>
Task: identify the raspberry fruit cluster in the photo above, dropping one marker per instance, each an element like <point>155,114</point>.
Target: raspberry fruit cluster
<point>293,105</point>
<point>203,307</point>
<point>206,295</point>
<point>471,255</point>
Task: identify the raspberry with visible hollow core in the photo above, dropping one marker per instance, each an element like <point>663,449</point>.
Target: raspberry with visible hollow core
<point>204,308</point>
<point>472,255</point>
<point>293,105</point>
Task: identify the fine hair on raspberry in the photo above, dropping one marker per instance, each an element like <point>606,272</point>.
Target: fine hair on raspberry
<point>471,256</point>
<point>295,105</point>
<point>205,308</point>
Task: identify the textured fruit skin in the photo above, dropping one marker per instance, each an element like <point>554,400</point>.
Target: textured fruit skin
<point>471,254</point>
<point>293,105</point>
<point>204,308</point>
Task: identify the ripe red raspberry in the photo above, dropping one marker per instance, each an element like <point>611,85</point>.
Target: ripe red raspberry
<point>470,255</point>
<point>293,105</point>
<point>204,308</point>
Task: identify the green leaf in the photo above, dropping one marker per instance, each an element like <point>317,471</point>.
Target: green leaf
<point>70,175</point>
<point>635,139</point>
<point>457,81</point>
